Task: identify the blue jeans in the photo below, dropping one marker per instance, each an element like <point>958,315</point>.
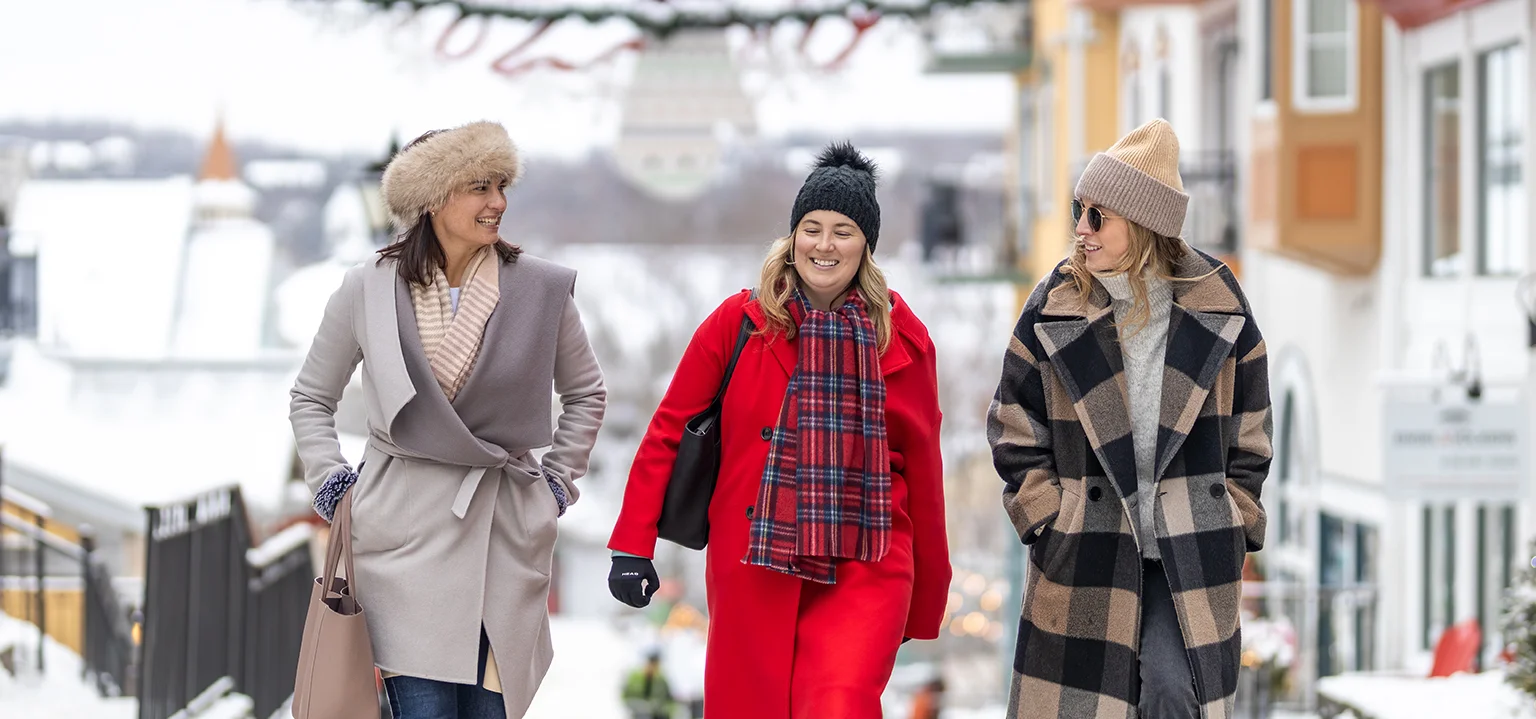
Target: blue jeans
<point>417,698</point>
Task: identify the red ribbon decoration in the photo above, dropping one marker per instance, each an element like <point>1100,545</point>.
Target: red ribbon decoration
<point>442,40</point>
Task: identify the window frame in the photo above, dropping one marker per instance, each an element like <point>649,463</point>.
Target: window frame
<point>1301,43</point>
<point>1427,157</point>
<point>1264,65</point>
<point>1480,238</point>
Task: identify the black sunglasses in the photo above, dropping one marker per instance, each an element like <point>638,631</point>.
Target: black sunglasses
<point>1096,217</point>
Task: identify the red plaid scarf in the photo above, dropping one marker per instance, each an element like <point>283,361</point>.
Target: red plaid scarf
<point>826,487</point>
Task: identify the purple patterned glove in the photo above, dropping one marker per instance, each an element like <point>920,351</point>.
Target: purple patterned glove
<point>559,491</point>
<point>332,489</point>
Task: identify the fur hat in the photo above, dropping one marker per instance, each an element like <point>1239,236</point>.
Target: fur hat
<point>1138,178</point>
<point>422,176</point>
<point>842,181</point>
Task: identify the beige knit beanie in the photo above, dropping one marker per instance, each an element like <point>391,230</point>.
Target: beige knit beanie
<point>1138,178</point>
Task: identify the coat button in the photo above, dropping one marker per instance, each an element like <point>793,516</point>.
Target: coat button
<point>749,512</point>
<point>767,433</point>
<point>1218,489</point>
<point>1094,493</point>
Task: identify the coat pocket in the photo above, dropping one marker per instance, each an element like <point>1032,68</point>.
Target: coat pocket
<point>1247,515</point>
<point>382,511</point>
<point>540,512</point>
<point>1062,533</point>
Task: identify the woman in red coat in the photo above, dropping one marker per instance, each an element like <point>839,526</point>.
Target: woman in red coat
<point>820,562</point>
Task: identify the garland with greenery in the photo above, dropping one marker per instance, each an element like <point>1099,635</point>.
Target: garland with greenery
<point>660,19</point>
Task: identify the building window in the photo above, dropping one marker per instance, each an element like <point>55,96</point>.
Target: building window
<point>1266,44</point>
<point>1426,576</point>
<point>1442,162</point>
<point>1285,467</point>
<point>1045,145</point>
<point>1164,90</point>
<point>1448,580</point>
<point>1130,89</point>
<point>1164,76</point>
<point>1132,103</point>
<point>20,316</point>
<point>1501,213</point>
<point>1324,54</point>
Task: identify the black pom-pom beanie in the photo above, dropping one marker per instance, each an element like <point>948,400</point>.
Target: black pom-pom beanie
<point>843,180</point>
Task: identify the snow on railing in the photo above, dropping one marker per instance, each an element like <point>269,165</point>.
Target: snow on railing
<point>49,539</point>
<point>25,502</point>
<point>279,545</point>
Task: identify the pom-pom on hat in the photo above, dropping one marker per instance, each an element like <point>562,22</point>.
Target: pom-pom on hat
<point>843,180</point>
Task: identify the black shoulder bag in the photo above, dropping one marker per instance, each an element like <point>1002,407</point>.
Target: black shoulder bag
<point>685,509</point>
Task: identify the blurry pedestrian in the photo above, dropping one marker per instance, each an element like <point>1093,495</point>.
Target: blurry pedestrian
<point>826,535</point>
<point>926,703</point>
<point>646,694</point>
<point>1132,430</point>
<point>461,336</point>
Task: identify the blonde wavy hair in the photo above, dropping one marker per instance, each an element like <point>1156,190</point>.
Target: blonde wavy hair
<point>1147,250</point>
<point>779,280</point>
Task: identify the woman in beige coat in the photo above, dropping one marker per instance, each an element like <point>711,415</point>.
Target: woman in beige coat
<point>461,337</point>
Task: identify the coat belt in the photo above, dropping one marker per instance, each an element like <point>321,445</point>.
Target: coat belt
<point>509,467</point>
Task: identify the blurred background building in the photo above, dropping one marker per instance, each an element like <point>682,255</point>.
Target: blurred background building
<point>1358,163</point>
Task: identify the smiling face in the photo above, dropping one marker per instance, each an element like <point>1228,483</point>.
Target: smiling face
<point>1103,249</point>
<point>828,250</point>
<point>472,215</point>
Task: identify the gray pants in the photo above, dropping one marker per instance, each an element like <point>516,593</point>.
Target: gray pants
<point>1167,687</point>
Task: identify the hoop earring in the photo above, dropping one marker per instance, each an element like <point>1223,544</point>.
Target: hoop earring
<point>789,260</point>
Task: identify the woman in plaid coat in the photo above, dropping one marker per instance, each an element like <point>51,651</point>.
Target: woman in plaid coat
<point>827,542</point>
<point>1132,432</point>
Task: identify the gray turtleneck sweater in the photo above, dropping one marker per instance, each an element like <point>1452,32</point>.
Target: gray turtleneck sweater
<point>1144,353</point>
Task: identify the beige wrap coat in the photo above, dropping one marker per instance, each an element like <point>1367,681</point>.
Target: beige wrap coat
<point>454,524</point>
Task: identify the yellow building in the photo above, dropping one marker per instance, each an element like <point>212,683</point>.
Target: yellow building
<point>1070,110</point>
<point>1314,189</point>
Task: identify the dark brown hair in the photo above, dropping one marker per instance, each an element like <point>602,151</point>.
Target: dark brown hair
<point>417,250</point>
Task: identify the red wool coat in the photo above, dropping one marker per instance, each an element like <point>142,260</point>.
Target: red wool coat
<point>756,613</point>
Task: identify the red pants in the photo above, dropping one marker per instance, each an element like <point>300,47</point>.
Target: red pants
<point>846,637</point>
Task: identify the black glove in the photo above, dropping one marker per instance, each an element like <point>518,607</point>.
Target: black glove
<point>627,580</point>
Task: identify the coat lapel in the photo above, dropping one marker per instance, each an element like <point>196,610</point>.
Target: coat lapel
<point>1085,352</point>
<point>1198,345</point>
<point>1203,326</point>
<point>386,358</point>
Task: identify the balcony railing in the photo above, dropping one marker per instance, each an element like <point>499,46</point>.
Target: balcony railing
<point>1212,222</point>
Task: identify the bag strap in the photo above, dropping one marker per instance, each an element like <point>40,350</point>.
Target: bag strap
<point>340,546</point>
<point>741,341</point>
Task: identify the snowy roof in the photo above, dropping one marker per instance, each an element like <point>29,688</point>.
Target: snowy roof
<point>285,173</point>
<point>225,197</point>
<point>109,253</point>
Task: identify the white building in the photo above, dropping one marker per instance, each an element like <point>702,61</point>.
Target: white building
<point>148,380</point>
<point>681,111</point>
<point>1383,152</point>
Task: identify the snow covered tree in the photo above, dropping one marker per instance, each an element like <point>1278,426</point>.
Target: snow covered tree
<point>1520,630</point>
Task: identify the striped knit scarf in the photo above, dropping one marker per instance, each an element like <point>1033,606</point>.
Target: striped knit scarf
<point>452,340</point>
<point>826,487</point>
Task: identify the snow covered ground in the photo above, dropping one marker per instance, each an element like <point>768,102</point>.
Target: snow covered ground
<point>1483,696</point>
<point>591,660</point>
<point>59,694</point>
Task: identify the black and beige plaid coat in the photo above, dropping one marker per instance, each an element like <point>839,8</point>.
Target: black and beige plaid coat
<point>1061,440</point>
